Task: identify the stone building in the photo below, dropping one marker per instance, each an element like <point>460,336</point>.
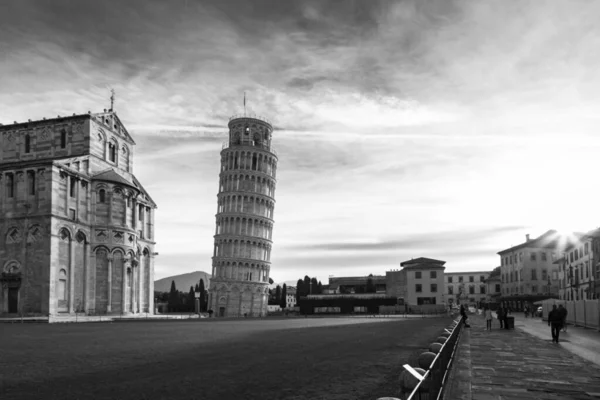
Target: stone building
<point>77,226</point>
<point>466,287</point>
<point>244,220</point>
<point>424,279</point>
<point>579,268</point>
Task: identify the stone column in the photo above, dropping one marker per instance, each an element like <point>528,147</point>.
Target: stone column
<point>134,214</point>
<point>71,275</point>
<point>132,290</point>
<point>91,280</point>
<point>2,184</point>
<point>109,196</point>
<point>109,306</point>
<point>150,292</point>
<point>228,294</point>
<point>67,193</point>
<point>124,288</point>
<point>140,283</point>
<point>86,283</point>
<point>252,304</point>
<point>77,185</point>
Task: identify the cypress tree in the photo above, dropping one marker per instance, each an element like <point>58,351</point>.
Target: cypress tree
<point>202,291</point>
<point>284,296</point>
<point>278,295</point>
<point>299,290</point>
<point>173,297</point>
<point>191,299</point>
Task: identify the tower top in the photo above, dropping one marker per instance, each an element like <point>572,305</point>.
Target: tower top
<point>112,99</point>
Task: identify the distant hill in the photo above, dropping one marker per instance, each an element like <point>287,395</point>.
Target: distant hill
<point>182,282</point>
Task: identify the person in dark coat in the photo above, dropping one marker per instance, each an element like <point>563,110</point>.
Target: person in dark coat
<point>563,313</point>
<point>555,322</point>
<point>506,312</point>
<point>500,315</point>
<point>463,314</point>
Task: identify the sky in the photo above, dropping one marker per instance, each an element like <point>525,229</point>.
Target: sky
<point>444,129</point>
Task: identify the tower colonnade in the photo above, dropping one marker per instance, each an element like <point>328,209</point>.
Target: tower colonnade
<point>241,260</point>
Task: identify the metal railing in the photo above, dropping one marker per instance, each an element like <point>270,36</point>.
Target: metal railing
<point>269,148</point>
<point>431,385</point>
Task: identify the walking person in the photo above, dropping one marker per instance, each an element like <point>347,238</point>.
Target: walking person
<point>488,318</point>
<point>563,313</point>
<point>463,314</point>
<point>555,322</point>
<point>506,312</point>
<point>500,316</point>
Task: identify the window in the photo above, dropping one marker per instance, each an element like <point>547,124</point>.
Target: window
<point>544,275</point>
<point>497,287</point>
<point>471,290</point>
<point>534,274</point>
<point>449,279</point>
<point>31,182</point>
<point>112,152</point>
<point>101,196</point>
<point>418,275</point>
<point>62,285</point>
<point>586,249</point>
<point>521,256</point>
<point>72,213</point>
<point>10,185</point>
<point>532,256</point>
<point>63,139</point>
<point>450,289</point>
<point>27,143</point>
<point>471,279</point>
<point>543,256</point>
<point>460,279</point>
<point>72,186</point>
<point>481,278</point>
<point>482,289</point>
<point>432,274</point>
<point>433,287</point>
<point>418,288</point>
<point>534,289</point>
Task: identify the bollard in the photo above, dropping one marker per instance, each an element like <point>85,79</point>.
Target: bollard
<point>425,359</point>
<point>441,339</point>
<point>446,334</point>
<point>435,347</point>
<point>408,382</point>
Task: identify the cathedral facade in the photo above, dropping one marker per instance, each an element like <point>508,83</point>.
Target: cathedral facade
<point>77,227</point>
<point>241,260</point>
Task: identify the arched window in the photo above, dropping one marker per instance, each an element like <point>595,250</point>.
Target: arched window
<point>62,285</point>
<point>31,182</point>
<point>27,143</point>
<point>63,139</point>
<point>10,185</point>
<point>102,196</point>
<point>112,152</point>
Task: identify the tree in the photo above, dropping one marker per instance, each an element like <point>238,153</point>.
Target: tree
<point>299,290</point>
<point>191,299</point>
<point>202,290</point>
<point>284,296</point>
<point>307,288</point>
<point>197,288</point>
<point>278,295</point>
<point>370,286</point>
<point>173,297</point>
<point>320,291</point>
<point>314,286</point>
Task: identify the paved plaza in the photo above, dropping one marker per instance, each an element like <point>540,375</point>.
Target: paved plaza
<point>524,364</point>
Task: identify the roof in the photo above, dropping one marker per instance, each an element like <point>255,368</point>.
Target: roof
<point>111,176</point>
<point>549,240</point>
<point>422,260</point>
<point>467,272</point>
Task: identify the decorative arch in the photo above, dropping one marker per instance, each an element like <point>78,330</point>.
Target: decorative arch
<point>34,233</point>
<point>11,267</point>
<point>13,235</point>
<point>101,247</point>
<point>64,233</point>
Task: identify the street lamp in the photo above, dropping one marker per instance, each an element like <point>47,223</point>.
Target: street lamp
<point>197,295</point>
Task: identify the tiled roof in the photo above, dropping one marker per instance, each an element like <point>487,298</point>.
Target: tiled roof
<point>111,176</point>
<point>422,260</point>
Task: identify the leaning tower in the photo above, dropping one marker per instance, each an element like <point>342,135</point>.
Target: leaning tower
<point>243,237</point>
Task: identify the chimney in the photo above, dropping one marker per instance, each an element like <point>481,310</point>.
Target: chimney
<point>527,237</point>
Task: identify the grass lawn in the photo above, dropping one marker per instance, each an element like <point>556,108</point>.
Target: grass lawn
<point>296,359</point>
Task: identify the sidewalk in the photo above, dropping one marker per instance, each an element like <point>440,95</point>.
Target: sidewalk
<point>513,364</point>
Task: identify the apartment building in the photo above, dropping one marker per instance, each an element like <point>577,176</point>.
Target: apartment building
<point>579,268</point>
<point>466,287</point>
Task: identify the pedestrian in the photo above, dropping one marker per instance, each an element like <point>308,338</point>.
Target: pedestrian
<point>506,312</point>
<point>555,323</point>
<point>563,313</point>
<point>463,314</point>
<point>526,311</point>
<point>488,318</point>
<point>500,316</point>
